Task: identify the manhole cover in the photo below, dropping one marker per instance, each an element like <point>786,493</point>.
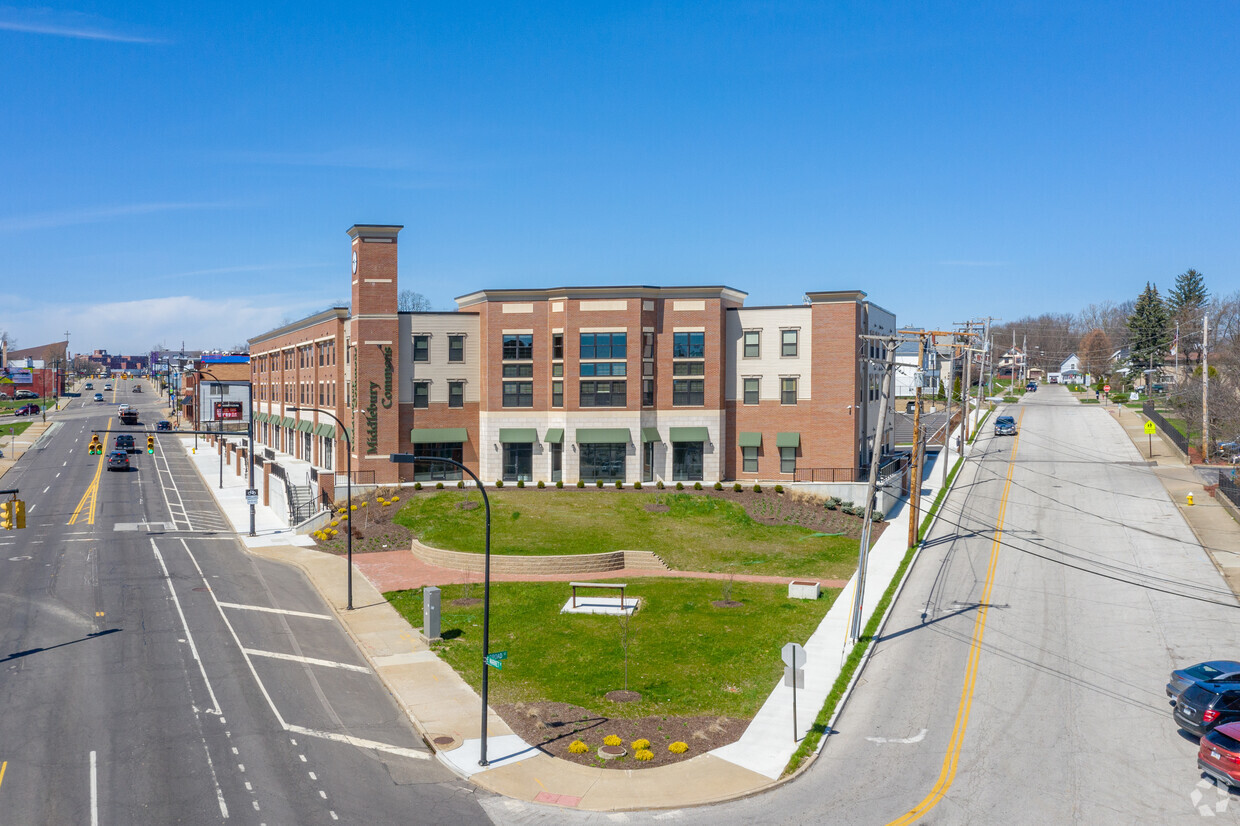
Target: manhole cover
<point>611,752</point>
<point>444,742</point>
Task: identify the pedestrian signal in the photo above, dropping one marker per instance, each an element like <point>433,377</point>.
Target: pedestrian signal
<point>19,513</point>
<point>150,444</point>
<point>6,515</point>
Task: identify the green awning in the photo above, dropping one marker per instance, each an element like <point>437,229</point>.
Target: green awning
<point>650,434</point>
<point>438,435</point>
<point>305,425</point>
<point>689,434</point>
<point>327,431</point>
<point>787,440</point>
<point>290,423</point>
<point>750,439</point>
<point>555,436</point>
<point>518,435</point>
<point>603,435</point>
<point>260,417</point>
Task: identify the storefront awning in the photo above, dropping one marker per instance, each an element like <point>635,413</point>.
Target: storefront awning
<point>260,417</point>
<point>327,431</point>
<point>603,435</point>
<point>438,435</point>
<point>287,422</point>
<point>555,436</point>
<point>518,435</point>
<point>689,434</point>
<point>305,425</point>
<point>650,434</point>
<point>787,440</point>
<point>750,439</point>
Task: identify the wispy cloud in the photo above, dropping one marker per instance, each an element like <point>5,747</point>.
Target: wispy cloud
<point>94,215</point>
<point>66,24</point>
<point>973,263</point>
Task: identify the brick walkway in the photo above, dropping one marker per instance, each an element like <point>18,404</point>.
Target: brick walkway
<point>398,570</point>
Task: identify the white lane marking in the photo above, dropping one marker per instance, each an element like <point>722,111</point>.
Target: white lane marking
<point>312,776</point>
<point>284,611</point>
<point>916,738</point>
<point>322,794</point>
<point>94,793</point>
<point>255,802</point>
<point>276,655</point>
<point>333,814</point>
<point>49,487</point>
<point>57,476</point>
<point>248,787</point>
<point>361,743</point>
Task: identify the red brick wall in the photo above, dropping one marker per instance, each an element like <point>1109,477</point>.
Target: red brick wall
<point>435,416</point>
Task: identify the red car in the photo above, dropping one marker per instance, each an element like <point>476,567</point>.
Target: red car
<point>26,410</point>
<point>1219,755</point>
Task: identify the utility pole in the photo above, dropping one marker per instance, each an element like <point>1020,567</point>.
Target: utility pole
<point>914,493</point>
<point>1205,391</point>
<point>965,387</point>
<point>947,428</point>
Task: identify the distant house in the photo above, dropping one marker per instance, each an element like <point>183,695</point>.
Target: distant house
<point>1011,365</point>
<point>1070,370</point>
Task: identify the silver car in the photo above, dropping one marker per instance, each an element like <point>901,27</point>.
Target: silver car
<point>1212,671</point>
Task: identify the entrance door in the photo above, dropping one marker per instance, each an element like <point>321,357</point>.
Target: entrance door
<point>648,462</point>
<point>518,462</point>
<point>687,461</point>
<point>557,462</point>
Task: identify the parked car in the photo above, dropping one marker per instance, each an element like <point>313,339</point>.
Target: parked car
<point>98,397</point>
<point>1031,387</point>
<point>1204,706</point>
<point>163,424</point>
<point>25,394</point>
<point>1005,426</point>
<point>118,460</point>
<point>125,442</point>
<point>26,410</point>
<point>1211,671</point>
<point>1219,755</point>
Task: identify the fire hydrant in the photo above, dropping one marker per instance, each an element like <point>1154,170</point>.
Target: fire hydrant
<point>1190,499</point>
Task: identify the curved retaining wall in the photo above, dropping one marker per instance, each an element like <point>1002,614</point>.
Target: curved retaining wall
<point>540,565</point>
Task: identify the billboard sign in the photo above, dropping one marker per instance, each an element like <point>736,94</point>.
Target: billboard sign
<point>21,376</point>
<point>228,411</point>
<point>224,401</point>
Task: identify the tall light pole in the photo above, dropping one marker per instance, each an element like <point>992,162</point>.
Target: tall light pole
<point>348,484</point>
<point>409,458</point>
<point>219,382</point>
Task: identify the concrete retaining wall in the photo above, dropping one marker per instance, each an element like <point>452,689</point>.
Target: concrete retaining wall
<point>540,565</point>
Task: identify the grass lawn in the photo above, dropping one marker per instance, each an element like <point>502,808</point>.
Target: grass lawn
<point>685,656</point>
<point>694,533</point>
<point>14,427</point>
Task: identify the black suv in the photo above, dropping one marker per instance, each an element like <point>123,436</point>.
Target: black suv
<point>125,442</point>
<point>1205,705</point>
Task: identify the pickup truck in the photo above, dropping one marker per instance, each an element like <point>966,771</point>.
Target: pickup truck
<point>128,415</point>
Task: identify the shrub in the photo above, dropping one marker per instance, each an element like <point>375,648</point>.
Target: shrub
<point>560,483</point>
<point>659,484</point>
<point>697,485</point>
<point>611,740</point>
<point>847,505</point>
<point>832,503</point>
<point>719,486</point>
<point>779,488</point>
<point>680,486</point>
<point>643,754</point>
<point>640,743</point>
<point>397,498</point>
<point>581,483</point>
<point>520,483</point>
<point>619,485</point>
<point>499,483</point>
<point>679,747</point>
<point>877,516</point>
<point>757,488</point>
<point>578,747</point>
<point>417,485</point>
<point>736,488</point>
<point>637,486</point>
<point>438,486</point>
<point>598,483</point>
<point>460,483</point>
<point>541,484</point>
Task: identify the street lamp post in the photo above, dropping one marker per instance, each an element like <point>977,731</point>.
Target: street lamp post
<point>220,383</point>
<point>348,485</point>
<point>409,458</point>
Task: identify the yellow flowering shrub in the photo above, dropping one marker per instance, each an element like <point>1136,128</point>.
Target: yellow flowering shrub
<point>611,740</point>
<point>578,747</point>
<point>644,754</point>
<point>678,747</point>
<point>640,744</point>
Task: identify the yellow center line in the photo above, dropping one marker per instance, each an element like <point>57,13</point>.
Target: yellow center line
<point>92,490</point>
<point>3,766</point>
<point>952,759</point>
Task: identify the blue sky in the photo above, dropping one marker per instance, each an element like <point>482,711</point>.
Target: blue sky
<point>188,171</point>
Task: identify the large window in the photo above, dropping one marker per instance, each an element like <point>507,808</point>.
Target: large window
<point>647,345</point>
<point>518,462</point>
<point>688,368</point>
<point>456,348</point>
<point>787,391</point>
<point>518,371</point>
<point>752,342</point>
<point>557,345</point>
<point>647,392</point>
<point>751,390</point>
<point>604,462</point>
<point>518,394</point>
<point>787,460</point>
<point>788,342</point>
<point>518,346</point>
<point>687,461</point>
<point>689,345</point>
<point>688,392</point>
<point>749,459</point>
<point>421,348</point>
<point>437,471</point>
<point>604,368</point>
<point>456,394</point>
<point>421,394</point>
<point>603,394</point>
<point>557,394</point>
<point>603,345</point>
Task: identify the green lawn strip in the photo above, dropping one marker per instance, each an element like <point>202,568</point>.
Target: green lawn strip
<point>819,728</point>
<point>686,657</point>
<point>14,428</point>
<point>696,533</point>
<point>1089,401</point>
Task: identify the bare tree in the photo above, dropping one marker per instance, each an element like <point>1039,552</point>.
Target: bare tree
<point>412,302</point>
<point>1095,352</point>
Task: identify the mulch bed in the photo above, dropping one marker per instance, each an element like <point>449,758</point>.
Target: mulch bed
<point>552,727</point>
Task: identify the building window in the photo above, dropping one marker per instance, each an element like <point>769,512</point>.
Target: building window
<point>688,368</point>
<point>688,392</point>
<point>518,394</point>
<point>327,452</point>
<point>787,460</point>
<point>518,371</point>
<point>518,346</point>
<point>456,348</point>
<point>438,471</point>
<point>603,345</point>
<point>603,394</point>
<point>605,462</point>
<point>518,462</point>
<point>647,392</point>
<point>687,461</point>
<point>752,349</point>
<point>787,391</point>
<point>688,345</point>
<point>788,343</point>
<point>557,345</point>
<point>647,345</point>
<point>557,394</point>
<point>751,390</point>
<point>749,460</point>
<point>421,348</point>
<point>421,394</point>
<point>557,369</point>
<point>604,368</point>
<point>456,394</point>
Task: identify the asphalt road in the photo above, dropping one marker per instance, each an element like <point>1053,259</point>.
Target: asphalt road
<point>151,671</point>
<point>1020,678</point>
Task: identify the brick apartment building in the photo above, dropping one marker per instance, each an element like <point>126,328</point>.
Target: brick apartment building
<point>639,383</point>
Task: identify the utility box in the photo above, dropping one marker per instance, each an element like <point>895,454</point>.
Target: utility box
<point>430,612</point>
<point>801,589</point>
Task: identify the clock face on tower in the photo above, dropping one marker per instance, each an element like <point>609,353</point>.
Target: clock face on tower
<point>355,262</point>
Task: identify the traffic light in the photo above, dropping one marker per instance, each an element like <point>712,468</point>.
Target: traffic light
<point>96,447</point>
<point>150,444</point>
<point>6,515</point>
<point>19,513</point>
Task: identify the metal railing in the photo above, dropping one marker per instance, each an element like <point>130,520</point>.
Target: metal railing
<point>826,474</point>
<point>1228,487</point>
<point>1180,440</point>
